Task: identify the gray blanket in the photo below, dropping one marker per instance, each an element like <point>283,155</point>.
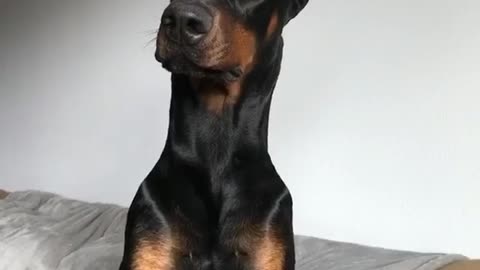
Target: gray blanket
<point>43,231</point>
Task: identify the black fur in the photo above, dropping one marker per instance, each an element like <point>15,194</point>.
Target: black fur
<point>215,171</point>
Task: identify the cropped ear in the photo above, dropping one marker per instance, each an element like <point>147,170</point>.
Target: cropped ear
<point>293,8</point>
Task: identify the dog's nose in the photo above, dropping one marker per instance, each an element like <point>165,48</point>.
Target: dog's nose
<point>186,22</point>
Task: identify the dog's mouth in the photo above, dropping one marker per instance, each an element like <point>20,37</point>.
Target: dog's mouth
<point>182,64</point>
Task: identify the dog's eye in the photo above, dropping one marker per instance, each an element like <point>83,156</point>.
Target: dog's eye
<point>245,6</point>
<point>189,256</point>
<point>240,253</point>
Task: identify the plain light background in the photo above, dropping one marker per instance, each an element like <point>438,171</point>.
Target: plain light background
<point>375,122</point>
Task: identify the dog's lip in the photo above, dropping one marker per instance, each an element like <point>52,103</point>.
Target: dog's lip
<point>188,67</point>
<point>199,72</point>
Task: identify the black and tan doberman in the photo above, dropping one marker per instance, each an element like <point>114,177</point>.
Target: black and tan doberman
<point>214,199</point>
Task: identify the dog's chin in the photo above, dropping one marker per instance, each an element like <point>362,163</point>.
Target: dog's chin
<point>182,66</point>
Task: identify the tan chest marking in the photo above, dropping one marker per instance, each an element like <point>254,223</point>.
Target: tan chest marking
<point>266,250</point>
<point>270,253</point>
<point>154,254</point>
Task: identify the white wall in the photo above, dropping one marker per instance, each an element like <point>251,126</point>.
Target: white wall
<point>375,121</point>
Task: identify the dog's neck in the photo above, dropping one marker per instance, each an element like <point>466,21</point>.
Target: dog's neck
<point>211,138</point>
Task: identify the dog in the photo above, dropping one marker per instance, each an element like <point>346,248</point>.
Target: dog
<point>214,199</point>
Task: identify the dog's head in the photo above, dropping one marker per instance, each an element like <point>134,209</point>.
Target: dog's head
<point>220,39</point>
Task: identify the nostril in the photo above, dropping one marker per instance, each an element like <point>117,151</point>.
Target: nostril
<point>196,26</point>
<point>168,20</point>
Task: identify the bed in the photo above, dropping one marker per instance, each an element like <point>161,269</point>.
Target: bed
<point>45,231</point>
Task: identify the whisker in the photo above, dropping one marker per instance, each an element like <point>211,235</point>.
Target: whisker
<point>153,33</point>
<point>150,42</point>
<point>150,32</point>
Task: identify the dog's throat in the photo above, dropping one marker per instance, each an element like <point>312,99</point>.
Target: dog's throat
<point>217,96</point>
<point>212,125</point>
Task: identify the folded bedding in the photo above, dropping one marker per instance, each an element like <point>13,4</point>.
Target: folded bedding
<point>45,231</point>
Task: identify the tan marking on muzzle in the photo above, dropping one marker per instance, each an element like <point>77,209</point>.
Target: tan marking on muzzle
<point>230,44</point>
